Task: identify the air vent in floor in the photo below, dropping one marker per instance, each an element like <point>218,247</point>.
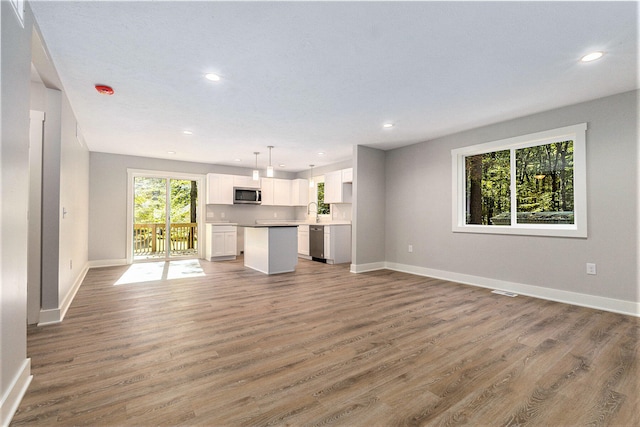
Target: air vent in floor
<point>505,293</point>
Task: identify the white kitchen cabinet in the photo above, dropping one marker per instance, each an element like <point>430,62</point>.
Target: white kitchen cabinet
<point>276,192</point>
<point>336,191</point>
<point>282,192</point>
<point>221,242</point>
<point>245,182</point>
<point>300,192</point>
<point>347,176</point>
<point>337,244</point>
<point>219,189</point>
<point>303,240</point>
<point>267,191</point>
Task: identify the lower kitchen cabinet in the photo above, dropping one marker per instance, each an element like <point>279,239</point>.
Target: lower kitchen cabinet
<point>221,242</point>
<point>303,240</point>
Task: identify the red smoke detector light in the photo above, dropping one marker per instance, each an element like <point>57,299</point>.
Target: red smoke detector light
<point>105,90</point>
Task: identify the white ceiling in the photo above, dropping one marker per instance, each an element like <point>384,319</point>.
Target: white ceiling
<point>307,77</point>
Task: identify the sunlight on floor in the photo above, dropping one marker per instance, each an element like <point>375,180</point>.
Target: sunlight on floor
<point>165,270</point>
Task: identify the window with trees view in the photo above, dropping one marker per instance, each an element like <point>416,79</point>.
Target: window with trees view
<point>533,184</point>
<point>323,208</point>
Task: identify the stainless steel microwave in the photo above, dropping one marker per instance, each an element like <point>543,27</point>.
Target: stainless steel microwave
<point>251,196</point>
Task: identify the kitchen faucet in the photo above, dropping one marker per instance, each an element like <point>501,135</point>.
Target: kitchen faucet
<point>309,210</point>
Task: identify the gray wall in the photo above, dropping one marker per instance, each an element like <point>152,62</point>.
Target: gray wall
<point>418,208</point>
<point>73,246</point>
<point>369,192</point>
<point>14,192</point>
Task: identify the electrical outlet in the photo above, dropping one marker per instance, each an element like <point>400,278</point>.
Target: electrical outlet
<point>275,214</point>
<point>70,264</point>
<point>410,248</point>
<point>591,268</point>
<point>222,215</point>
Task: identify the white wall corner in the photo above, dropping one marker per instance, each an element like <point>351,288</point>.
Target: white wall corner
<point>630,308</point>
<point>16,391</point>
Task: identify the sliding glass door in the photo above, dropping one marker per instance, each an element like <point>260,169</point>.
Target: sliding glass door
<point>165,219</point>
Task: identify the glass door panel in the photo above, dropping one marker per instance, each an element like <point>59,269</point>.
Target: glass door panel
<point>183,224</point>
<point>149,218</point>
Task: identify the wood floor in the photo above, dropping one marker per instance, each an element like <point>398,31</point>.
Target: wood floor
<point>322,346</point>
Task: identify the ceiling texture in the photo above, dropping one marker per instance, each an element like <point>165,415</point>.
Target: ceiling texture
<point>311,77</point>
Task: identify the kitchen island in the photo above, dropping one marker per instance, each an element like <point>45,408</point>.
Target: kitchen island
<point>271,249</point>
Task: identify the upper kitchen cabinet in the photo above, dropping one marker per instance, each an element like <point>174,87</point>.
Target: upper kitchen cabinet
<point>245,182</point>
<point>300,192</point>
<point>219,189</point>
<point>347,175</point>
<point>276,192</point>
<point>336,190</point>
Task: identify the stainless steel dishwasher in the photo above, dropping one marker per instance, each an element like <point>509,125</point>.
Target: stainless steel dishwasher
<point>316,242</point>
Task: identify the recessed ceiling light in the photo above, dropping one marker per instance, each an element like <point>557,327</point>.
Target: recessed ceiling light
<point>212,76</point>
<point>321,153</point>
<point>592,56</point>
<point>237,160</point>
<point>281,165</point>
<point>387,125</point>
<point>187,132</point>
<point>171,152</point>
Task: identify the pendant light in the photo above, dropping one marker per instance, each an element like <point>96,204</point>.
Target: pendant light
<point>256,172</point>
<point>311,183</point>
<point>270,168</point>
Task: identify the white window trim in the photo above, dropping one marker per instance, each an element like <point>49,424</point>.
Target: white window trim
<point>577,133</point>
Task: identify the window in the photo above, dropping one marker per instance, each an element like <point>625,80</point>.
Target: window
<point>323,208</point>
<point>533,184</point>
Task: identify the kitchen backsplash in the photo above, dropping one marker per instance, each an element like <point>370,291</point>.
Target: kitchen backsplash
<point>248,214</point>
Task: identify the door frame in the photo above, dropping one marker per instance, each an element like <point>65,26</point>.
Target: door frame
<point>34,217</point>
<point>201,211</point>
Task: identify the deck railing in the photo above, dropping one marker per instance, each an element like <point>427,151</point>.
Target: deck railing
<point>149,239</point>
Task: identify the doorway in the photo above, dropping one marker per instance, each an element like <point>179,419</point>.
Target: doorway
<point>165,212</point>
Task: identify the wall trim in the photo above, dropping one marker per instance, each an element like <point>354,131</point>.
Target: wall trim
<point>584,300</point>
<point>68,299</point>
<point>56,315</point>
<point>12,398</point>
<point>49,317</point>
<point>363,268</point>
<point>107,262</point>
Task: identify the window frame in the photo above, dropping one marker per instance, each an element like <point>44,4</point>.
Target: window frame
<point>577,133</point>
<point>314,195</point>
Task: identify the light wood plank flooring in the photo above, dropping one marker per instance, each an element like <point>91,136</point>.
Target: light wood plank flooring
<point>322,346</point>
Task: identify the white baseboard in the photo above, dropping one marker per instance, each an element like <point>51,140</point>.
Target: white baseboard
<point>12,398</point>
<point>49,317</point>
<point>584,300</point>
<point>56,315</point>
<point>66,301</point>
<point>363,268</point>
<point>107,263</point>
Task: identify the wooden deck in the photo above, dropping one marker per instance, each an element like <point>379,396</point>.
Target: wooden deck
<point>322,346</point>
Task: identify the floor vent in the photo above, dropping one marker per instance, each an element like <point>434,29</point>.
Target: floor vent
<point>505,293</point>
